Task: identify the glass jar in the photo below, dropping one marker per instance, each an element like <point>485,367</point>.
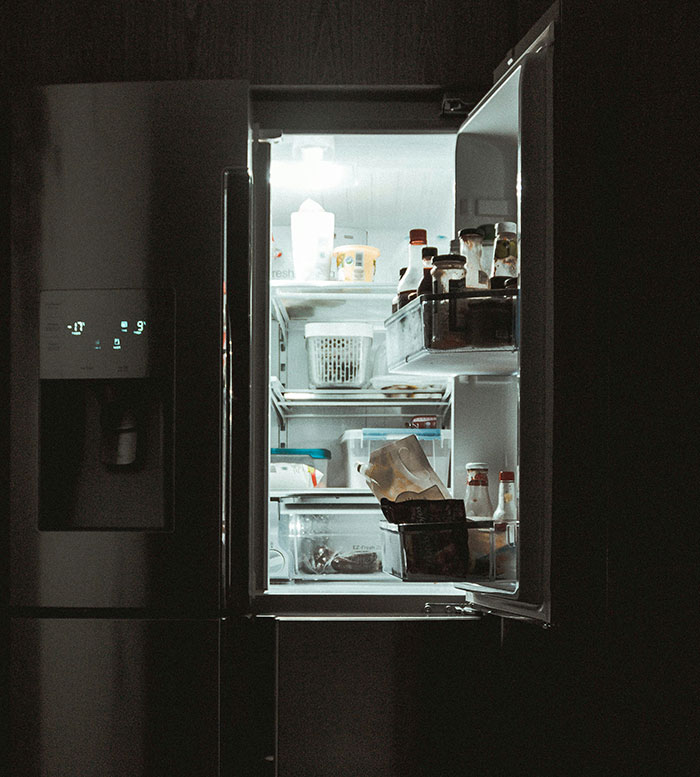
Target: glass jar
<point>472,248</point>
<point>505,254</point>
<point>448,273</point>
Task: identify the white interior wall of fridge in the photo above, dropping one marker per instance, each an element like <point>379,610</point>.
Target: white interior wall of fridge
<point>378,187</point>
<point>389,185</point>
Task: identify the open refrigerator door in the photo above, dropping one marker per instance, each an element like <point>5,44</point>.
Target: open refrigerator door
<point>461,374</point>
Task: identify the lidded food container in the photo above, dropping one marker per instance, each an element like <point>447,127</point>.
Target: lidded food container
<point>505,254</point>
<point>472,240</point>
<point>315,460</point>
<point>356,446</point>
<point>355,262</point>
<point>338,354</point>
<point>448,273</point>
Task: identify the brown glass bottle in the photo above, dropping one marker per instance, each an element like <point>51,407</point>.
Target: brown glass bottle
<point>395,299</point>
<point>411,280</point>
<point>426,284</point>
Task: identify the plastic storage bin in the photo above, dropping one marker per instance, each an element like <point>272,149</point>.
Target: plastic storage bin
<point>426,551</point>
<point>334,542</point>
<point>357,444</point>
<point>317,458</point>
<point>433,332</point>
<point>338,354</point>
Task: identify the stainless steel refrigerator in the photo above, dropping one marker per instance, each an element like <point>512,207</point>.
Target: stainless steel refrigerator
<point>155,361</point>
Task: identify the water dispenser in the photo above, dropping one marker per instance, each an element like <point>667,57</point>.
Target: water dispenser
<point>106,409</point>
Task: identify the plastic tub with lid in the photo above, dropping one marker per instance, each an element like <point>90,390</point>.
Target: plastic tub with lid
<point>356,445</point>
<point>315,460</point>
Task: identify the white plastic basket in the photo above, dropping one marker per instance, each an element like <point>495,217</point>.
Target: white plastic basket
<point>338,354</point>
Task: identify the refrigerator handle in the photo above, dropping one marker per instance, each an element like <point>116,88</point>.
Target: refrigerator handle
<point>236,491</point>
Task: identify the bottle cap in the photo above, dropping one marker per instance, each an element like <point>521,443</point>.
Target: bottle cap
<point>505,476</point>
<point>449,258</point>
<point>418,236</point>
<point>476,465</point>
<point>429,251</point>
<point>455,246</point>
<point>471,231</point>
<point>505,226</point>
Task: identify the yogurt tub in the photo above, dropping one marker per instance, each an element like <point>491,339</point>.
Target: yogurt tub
<point>355,262</point>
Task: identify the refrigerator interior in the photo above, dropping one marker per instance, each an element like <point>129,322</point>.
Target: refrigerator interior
<point>378,187</point>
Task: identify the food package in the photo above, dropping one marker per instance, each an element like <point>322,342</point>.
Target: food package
<point>400,470</point>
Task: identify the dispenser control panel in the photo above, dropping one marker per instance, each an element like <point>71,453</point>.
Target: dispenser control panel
<point>104,333</point>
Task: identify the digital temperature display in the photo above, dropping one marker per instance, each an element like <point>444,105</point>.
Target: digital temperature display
<point>102,333</point>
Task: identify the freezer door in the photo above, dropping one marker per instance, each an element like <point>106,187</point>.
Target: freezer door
<point>116,341</point>
<point>504,173</point>
<point>102,697</point>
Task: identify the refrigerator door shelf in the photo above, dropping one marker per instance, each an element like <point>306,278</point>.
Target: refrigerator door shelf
<point>461,333</point>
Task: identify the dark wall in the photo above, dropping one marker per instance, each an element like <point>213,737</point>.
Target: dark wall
<point>264,41</point>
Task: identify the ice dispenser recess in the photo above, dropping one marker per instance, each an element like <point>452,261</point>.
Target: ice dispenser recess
<point>106,409</point>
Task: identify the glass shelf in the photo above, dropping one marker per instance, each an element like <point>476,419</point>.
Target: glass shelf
<point>472,332</point>
<point>312,402</point>
<point>332,301</point>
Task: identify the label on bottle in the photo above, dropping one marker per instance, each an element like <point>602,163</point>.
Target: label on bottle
<point>479,479</point>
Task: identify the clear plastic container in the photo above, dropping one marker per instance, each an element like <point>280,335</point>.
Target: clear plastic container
<point>467,321</point>
<point>426,551</point>
<point>356,445</point>
<point>339,354</point>
<point>318,458</point>
<point>335,543</point>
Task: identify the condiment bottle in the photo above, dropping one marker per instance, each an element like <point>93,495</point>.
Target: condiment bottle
<point>506,528</point>
<point>426,284</point>
<point>505,254</point>
<point>478,506</point>
<point>411,280</point>
<point>478,502</point>
<point>472,240</point>
<point>448,273</point>
<point>395,299</point>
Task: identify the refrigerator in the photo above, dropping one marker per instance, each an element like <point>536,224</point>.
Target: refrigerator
<point>159,352</point>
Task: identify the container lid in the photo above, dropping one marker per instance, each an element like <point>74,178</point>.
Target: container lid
<point>505,476</point>
<point>505,226</point>
<point>449,258</point>
<point>471,231</point>
<point>455,246</point>
<point>418,236</point>
<point>369,251</point>
<point>476,465</point>
<point>405,528</point>
<point>397,434</point>
<point>429,251</point>
<point>314,453</point>
<point>339,329</point>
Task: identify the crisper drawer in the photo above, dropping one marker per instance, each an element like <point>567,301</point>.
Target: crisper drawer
<point>331,542</point>
<point>466,332</point>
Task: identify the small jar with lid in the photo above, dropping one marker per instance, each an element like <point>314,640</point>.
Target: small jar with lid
<point>448,273</point>
<point>505,255</point>
<point>472,242</point>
